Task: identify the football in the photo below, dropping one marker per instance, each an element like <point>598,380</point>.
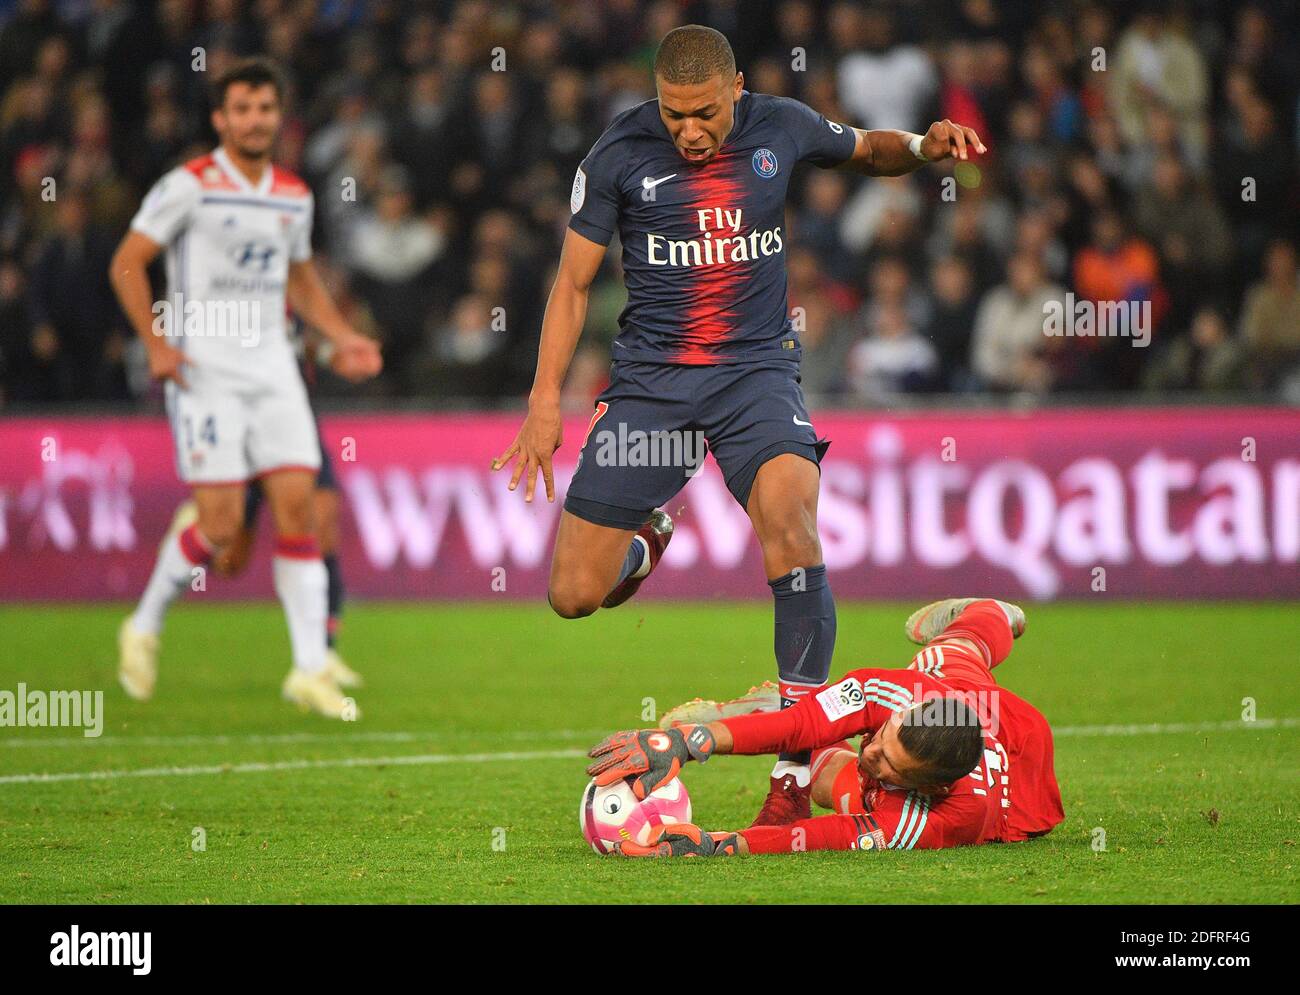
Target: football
<point>612,814</point>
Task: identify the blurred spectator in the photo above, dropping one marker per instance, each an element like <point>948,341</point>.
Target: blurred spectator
<point>892,359</point>
<point>20,371</point>
<point>1010,343</point>
<point>79,336</point>
<point>1255,176</point>
<point>1270,321</point>
<point>1115,266</point>
<point>1208,359</point>
<point>393,251</point>
<point>952,321</point>
<point>884,83</point>
<point>467,351</point>
<point>1189,230</point>
<point>1155,64</point>
<point>820,306</point>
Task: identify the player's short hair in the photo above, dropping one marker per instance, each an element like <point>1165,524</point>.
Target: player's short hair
<point>944,734</point>
<point>694,53</point>
<point>255,71</point>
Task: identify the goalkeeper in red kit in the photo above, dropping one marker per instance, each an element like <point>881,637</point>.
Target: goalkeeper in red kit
<point>947,757</point>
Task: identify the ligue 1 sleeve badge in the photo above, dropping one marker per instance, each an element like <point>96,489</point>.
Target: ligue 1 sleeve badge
<point>579,192</point>
<point>765,163</point>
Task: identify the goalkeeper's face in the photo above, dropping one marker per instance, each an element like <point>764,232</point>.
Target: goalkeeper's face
<point>883,758</point>
<point>699,116</point>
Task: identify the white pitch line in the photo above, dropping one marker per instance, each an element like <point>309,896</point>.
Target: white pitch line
<point>262,768</point>
<point>452,758</point>
<point>1142,729</point>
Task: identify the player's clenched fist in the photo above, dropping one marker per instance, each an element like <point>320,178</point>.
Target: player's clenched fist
<point>651,756</point>
<point>949,140</point>
<point>683,840</point>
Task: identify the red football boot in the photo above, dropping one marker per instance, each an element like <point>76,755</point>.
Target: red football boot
<point>786,803</point>
<point>654,535</point>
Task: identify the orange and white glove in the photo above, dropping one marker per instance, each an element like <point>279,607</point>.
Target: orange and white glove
<point>683,840</point>
<point>651,756</point>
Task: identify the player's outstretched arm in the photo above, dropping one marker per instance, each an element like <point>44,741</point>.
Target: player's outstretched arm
<point>654,756</point>
<point>894,153</point>
<point>355,356</point>
<point>566,309</point>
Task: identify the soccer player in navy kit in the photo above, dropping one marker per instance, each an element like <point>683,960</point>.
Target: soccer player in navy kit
<point>695,184</point>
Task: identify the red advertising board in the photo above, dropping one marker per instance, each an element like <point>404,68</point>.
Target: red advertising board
<point>1146,503</point>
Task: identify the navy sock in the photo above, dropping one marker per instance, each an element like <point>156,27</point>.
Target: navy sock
<point>335,597</point>
<point>805,632</point>
<point>636,554</point>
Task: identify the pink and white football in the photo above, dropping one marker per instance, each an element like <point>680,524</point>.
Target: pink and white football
<point>612,814</point>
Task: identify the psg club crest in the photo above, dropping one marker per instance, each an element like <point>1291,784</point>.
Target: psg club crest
<point>765,163</point>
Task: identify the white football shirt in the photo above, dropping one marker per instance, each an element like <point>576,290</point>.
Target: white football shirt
<point>228,248</point>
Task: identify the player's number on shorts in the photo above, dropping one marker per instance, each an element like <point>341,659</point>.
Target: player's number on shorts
<point>207,431</point>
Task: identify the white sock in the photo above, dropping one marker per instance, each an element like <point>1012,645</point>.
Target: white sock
<point>172,575</point>
<point>302,584</point>
<point>802,775</point>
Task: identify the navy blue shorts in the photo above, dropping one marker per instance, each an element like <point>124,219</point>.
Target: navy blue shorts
<point>646,438</point>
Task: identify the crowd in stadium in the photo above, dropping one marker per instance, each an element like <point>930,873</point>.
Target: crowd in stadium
<point>1137,151</point>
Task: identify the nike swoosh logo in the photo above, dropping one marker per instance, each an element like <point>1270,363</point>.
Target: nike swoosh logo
<point>798,667</point>
<point>798,422</point>
<point>650,184</point>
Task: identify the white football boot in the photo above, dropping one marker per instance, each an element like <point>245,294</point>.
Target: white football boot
<point>766,697</point>
<point>137,661</point>
<point>925,624</point>
<point>318,693</point>
<point>344,676</point>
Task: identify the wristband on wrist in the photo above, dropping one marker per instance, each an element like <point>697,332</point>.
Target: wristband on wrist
<point>915,146</point>
<point>699,744</point>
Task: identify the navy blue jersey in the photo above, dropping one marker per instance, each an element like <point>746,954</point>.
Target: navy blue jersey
<point>703,245</point>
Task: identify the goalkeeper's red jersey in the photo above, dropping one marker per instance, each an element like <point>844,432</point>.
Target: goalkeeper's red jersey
<point>1012,794</point>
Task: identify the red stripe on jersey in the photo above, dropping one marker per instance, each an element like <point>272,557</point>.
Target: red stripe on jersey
<point>287,184</point>
<point>708,319</point>
<point>209,174</point>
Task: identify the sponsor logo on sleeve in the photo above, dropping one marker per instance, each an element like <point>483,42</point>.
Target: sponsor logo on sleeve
<point>579,193</point>
<point>843,699</point>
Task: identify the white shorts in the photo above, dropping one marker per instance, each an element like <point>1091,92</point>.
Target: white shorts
<point>228,436</point>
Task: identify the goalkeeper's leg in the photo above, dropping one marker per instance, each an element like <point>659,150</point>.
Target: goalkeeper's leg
<point>964,637</point>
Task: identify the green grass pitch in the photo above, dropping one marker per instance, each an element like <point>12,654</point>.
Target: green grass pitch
<point>481,711</point>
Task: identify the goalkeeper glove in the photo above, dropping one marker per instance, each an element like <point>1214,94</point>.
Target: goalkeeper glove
<point>652,757</point>
<point>683,840</point>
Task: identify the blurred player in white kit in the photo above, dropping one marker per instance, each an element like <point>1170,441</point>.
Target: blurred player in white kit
<point>237,234</point>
